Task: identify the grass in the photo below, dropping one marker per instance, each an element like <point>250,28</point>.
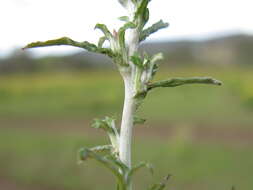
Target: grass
<point>92,94</point>
<point>47,159</point>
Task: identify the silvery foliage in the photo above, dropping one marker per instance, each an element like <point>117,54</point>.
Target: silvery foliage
<point>143,68</point>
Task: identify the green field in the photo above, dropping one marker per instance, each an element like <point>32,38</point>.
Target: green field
<point>43,159</point>
<point>44,121</point>
<point>92,94</point>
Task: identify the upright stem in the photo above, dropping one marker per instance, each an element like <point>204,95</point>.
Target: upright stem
<point>127,122</point>
<point>129,103</point>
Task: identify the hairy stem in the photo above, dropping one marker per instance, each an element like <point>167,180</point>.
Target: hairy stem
<point>127,123</point>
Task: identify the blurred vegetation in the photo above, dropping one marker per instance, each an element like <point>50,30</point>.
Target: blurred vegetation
<point>48,160</point>
<point>96,93</point>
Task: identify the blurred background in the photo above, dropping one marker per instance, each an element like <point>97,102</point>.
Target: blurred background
<point>202,135</point>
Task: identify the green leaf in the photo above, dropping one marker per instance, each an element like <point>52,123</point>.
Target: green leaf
<point>63,41</point>
<point>154,65</point>
<point>182,81</point>
<point>152,29</point>
<point>137,168</point>
<point>138,120</point>
<point>137,60</point>
<point>142,13</point>
<point>123,168</point>
<point>67,41</point>
<point>108,125</point>
<point>105,30</point>
<point>156,57</point>
<point>124,18</point>
<point>160,186</point>
<point>102,148</point>
<point>121,34</point>
<point>142,8</point>
<point>101,41</point>
<point>85,153</point>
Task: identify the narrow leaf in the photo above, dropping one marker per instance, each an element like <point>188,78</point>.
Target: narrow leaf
<point>142,8</point>
<point>86,153</point>
<point>160,186</point>
<point>182,81</point>
<point>154,70</point>
<point>105,30</point>
<point>156,57</point>
<point>101,41</point>
<point>124,169</point>
<point>154,65</point>
<point>140,166</point>
<point>137,168</point>
<point>121,34</point>
<point>138,120</point>
<point>108,125</point>
<point>137,60</point>
<point>102,148</point>
<point>67,41</point>
<point>152,29</point>
<point>63,41</point>
<point>142,13</point>
<point>124,18</point>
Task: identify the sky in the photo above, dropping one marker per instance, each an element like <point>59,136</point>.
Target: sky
<point>24,21</point>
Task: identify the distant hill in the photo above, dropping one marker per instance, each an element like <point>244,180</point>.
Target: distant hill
<point>235,49</point>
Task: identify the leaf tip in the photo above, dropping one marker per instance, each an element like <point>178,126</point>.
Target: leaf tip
<point>83,154</point>
<point>217,82</point>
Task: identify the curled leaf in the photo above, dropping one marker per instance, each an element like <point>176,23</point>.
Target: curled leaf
<point>121,39</point>
<point>108,125</point>
<point>153,67</point>
<point>156,57</point>
<point>105,30</point>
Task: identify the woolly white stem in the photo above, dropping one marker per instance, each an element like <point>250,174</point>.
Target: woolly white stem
<point>129,103</point>
<point>127,123</point>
